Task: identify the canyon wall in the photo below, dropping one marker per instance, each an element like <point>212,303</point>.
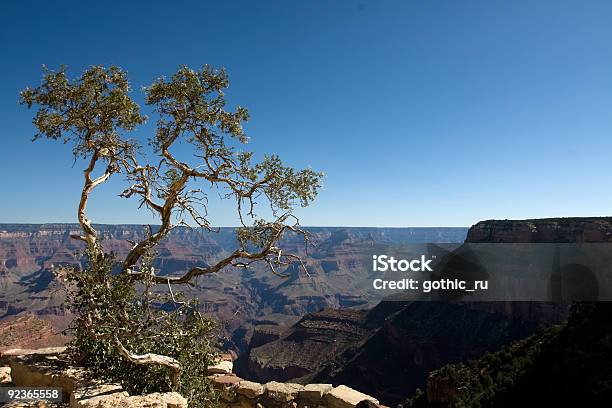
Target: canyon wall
<point>402,342</point>
<point>546,230</point>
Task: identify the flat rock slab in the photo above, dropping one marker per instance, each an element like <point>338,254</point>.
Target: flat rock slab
<point>249,389</point>
<point>282,392</point>
<point>113,396</point>
<point>222,367</point>
<point>157,399</point>
<point>42,373</point>
<point>102,395</point>
<point>224,380</point>
<point>345,397</point>
<point>22,352</point>
<point>314,392</point>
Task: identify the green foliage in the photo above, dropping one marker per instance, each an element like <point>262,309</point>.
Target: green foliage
<point>94,110</point>
<point>191,105</point>
<point>109,305</point>
<point>480,383</point>
<point>195,100</point>
<point>88,111</point>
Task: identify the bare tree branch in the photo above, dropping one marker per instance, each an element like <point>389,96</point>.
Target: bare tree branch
<point>151,359</point>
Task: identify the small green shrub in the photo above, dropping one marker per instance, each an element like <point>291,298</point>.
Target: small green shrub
<point>108,304</point>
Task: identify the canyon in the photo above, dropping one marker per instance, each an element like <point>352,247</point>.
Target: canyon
<point>311,326</point>
<point>32,281</point>
<point>388,351</point>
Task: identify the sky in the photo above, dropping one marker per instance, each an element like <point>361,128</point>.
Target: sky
<point>420,113</point>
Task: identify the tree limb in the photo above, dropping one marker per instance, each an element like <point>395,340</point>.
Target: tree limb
<point>151,359</point>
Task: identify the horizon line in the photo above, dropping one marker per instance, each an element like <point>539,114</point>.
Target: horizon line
<point>230,226</point>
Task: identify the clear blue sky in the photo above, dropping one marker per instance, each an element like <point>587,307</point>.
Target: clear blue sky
<point>421,113</point>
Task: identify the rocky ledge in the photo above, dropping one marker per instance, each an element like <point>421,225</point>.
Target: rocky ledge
<point>238,393</point>
<point>48,368</point>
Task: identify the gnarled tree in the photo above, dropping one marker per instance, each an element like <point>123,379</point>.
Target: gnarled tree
<point>95,114</point>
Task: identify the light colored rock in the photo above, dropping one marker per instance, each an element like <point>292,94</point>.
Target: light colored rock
<point>31,404</point>
<point>229,356</point>
<point>282,392</point>
<point>113,396</point>
<point>224,380</point>
<point>161,400</point>
<point>249,389</point>
<point>345,397</point>
<point>43,368</point>
<point>222,367</point>
<point>24,374</point>
<point>314,392</point>
<point>47,368</point>
<point>226,384</point>
<point>5,375</point>
<point>100,395</point>
<point>25,352</point>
